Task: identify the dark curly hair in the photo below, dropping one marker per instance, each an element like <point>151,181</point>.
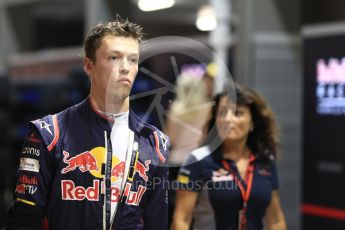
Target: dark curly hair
<point>263,140</point>
<point>119,27</point>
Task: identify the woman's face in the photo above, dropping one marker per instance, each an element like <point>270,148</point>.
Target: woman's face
<point>233,125</point>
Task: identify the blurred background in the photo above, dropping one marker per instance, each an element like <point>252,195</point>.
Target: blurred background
<point>292,52</point>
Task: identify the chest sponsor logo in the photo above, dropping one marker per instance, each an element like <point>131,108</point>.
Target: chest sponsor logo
<point>28,164</point>
<point>118,170</point>
<point>142,169</point>
<point>25,189</point>
<point>31,151</point>
<point>69,191</point>
<point>264,172</point>
<point>84,162</point>
<point>221,175</point>
<point>92,161</point>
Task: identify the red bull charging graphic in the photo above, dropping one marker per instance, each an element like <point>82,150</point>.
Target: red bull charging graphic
<point>91,162</point>
<point>141,169</point>
<point>84,162</point>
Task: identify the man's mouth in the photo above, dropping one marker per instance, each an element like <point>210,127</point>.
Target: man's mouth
<point>125,80</point>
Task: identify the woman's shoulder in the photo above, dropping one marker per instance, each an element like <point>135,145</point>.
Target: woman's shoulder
<point>267,162</point>
<point>200,155</point>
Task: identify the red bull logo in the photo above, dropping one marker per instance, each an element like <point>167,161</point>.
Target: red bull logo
<point>23,189</point>
<point>141,169</point>
<point>69,191</point>
<point>84,161</point>
<point>20,189</point>
<point>118,170</point>
<point>91,161</point>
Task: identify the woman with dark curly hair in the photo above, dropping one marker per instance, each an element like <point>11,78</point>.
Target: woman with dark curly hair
<point>231,181</point>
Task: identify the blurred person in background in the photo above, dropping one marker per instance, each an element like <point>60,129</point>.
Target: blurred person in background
<point>92,166</point>
<point>188,112</point>
<point>208,79</point>
<point>187,115</point>
<point>231,181</point>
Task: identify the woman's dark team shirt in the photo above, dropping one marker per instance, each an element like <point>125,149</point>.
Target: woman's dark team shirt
<point>220,198</point>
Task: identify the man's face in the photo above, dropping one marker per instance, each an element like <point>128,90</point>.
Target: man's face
<point>115,67</point>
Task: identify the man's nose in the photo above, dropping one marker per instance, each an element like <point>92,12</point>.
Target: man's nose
<point>124,67</point>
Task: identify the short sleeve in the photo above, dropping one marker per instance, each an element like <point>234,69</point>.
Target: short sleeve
<point>274,175</point>
<point>189,175</point>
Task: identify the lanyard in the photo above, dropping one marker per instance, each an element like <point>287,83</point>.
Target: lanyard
<point>244,192</point>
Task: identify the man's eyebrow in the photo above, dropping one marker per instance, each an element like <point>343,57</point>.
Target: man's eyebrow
<point>119,52</point>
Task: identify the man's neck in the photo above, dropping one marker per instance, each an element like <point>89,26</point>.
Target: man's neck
<point>109,105</point>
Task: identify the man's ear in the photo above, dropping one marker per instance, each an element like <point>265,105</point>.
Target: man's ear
<point>88,64</point>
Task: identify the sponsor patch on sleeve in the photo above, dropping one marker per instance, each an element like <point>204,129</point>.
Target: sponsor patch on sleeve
<point>183,179</point>
<point>30,151</point>
<point>29,164</point>
<point>25,189</point>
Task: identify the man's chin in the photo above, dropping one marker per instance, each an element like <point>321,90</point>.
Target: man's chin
<point>117,96</point>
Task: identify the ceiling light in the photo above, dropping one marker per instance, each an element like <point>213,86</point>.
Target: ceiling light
<point>151,5</point>
<point>206,19</point>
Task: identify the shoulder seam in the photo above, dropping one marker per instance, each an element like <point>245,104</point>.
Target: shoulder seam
<point>56,133</point>
<point>159,153</point>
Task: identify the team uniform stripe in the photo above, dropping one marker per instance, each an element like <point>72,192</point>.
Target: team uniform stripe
<point>56,133</point>
<point>160,155</point>
<point>26,201</point>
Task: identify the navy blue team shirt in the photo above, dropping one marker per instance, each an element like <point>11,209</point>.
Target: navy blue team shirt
<point>220,199</point>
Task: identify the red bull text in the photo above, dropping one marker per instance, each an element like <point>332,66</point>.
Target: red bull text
<point>70,191</point>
